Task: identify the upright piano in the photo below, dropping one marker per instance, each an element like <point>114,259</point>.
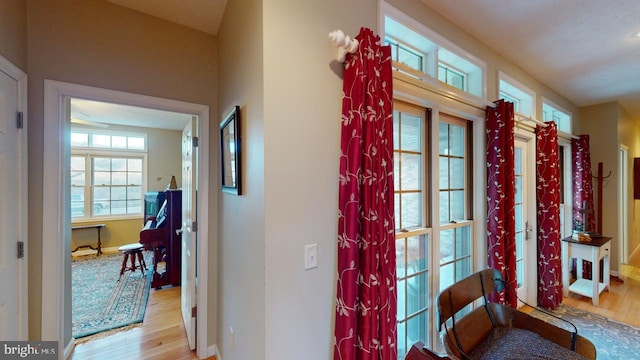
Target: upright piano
<point>159,234</point>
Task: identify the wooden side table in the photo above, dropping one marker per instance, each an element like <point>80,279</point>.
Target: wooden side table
<point>94,226</point>
<point>594,251</point>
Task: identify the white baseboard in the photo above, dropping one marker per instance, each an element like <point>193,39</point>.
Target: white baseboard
<point>66,353</point>
<point>213,350</point>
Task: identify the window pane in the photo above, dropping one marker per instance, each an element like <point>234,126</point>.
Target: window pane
<point>136,143</point>
<point>134,206</point>
<point>416,254</point>
<point>119,142</point>
<point>410,132</point>
<point>397,213</point>
<point>77,201</point>
<point>101,164</point>
<point>101,178</point>
<point>444,217</point>
<point>457,173</point>
<point>118,207</point>
<point>396,171</point>
<point>134,178</point>
<point>101,194</point>
<point>457,205</point>
<point>443,139</point>
<point>411,207</point>
<point>118,164</point>
<point>98,140</point>
<point>463,268</point>
<point>118,193</point>
<point>402,340</point>
<point>456,140</point>
<point>447,275</point>
<point>119,178</point>
<point>463,241</point>
<point>410,172</point>
<point>401,258</point>
<point>417,294</point>
<point>134,164</point>
<point>396,129</point>
<point>79,139</point>
<point>444,172</point>
<point>447,247</point>
<point>402,291</point>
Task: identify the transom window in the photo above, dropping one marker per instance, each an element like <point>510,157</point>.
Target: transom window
<point>107,174</point>
<point>523,98</point>
<point>553,112</point>
<point>417,50</point>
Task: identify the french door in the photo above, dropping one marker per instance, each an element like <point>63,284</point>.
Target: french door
<point>525,213</point>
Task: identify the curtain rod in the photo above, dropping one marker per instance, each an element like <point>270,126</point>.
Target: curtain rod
<point>344,43</point>
<point>529,118</point>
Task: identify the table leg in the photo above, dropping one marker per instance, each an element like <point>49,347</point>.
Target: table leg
<point>606,274</point>
<point>595,275</point>
<point>565,269</point>
<point>99,242</point>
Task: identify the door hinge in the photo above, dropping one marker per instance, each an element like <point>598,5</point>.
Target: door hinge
<point>194,226</point>
<point>20,249</point>
<point>194,311</point>
<point>20,120</point>
<point>194,140</point>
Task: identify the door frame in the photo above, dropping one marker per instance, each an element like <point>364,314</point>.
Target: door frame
<point>23,275</point>
<point>55,224</point>
<point>623,205</point>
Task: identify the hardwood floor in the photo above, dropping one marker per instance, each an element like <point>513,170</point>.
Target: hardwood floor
<point>160,337</point>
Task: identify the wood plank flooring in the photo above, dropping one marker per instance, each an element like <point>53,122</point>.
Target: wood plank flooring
<point>160,337</point>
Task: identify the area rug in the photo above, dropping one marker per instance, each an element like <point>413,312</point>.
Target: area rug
<point>101,300</point>
<point>613,340</point>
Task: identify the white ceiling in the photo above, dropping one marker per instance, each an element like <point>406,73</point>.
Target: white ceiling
<point>582,49</point>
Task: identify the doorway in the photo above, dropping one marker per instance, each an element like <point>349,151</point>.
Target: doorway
<point>525,215</point>
<point>56,317</point>
<point>121,156</point>
<point>623,211</point>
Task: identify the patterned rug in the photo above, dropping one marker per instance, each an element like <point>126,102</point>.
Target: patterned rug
<point>100,301</point>
<point>613,340</point>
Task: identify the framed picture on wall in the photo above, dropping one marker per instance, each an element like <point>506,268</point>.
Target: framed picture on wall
<point>230,152</point>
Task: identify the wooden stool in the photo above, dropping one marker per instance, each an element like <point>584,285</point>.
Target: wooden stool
<point>132,250</point>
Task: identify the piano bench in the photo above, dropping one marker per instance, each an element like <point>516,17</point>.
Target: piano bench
<point>132,250</point>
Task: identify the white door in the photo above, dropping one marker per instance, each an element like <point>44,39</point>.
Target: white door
<point>189,157</point>
<point>9,210</point>
<point>525,212</point>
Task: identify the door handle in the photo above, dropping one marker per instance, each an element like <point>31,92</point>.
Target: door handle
<point>527,230</point>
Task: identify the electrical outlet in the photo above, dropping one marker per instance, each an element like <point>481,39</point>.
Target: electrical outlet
<point>311,256</point>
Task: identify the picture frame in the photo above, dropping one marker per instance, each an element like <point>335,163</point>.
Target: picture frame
<point>230,152</point>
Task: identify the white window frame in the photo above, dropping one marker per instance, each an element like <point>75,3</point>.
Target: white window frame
<point>89,152</point>
<point>515,89</point>
<point>438,49</point>
<point>562,128</point>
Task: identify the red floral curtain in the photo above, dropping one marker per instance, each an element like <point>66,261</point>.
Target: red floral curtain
<point>365,326</point>
<point>548,195</point>
<point>500,198</point>
<point>583,215</point>
<point>583,210</point>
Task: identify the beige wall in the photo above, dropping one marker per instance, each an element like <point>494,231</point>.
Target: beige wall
<point>601,123</point>
<point>13,32</point>
<point>240,262</point>
<point>629,136</point>
<point>95,43</point>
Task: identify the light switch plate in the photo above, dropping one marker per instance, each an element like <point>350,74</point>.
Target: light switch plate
<point>310,256</point>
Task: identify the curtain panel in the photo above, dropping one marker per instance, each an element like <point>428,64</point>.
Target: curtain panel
<point>548,211</point>
<point>501,242</point>
<point>365,318</point>
<point>583,206</point>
